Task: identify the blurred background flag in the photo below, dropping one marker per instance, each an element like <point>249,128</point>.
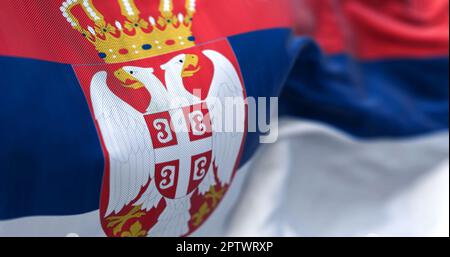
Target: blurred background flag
<point>363,148</point>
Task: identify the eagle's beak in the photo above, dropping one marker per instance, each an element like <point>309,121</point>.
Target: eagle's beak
<point>191,60</point>
<point>127,80</point>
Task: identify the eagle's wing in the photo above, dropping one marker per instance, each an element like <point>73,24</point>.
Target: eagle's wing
<point>128,143</point>
<point>226,145</point>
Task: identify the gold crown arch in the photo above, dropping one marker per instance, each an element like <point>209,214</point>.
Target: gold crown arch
<point>136,38</point>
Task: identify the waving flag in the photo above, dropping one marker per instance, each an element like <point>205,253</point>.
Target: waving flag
<point>94,141</point>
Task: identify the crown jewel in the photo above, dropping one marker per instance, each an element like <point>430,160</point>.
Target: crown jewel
<point>135,38</point>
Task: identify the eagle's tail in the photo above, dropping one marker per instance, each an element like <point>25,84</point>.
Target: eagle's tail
<point>174,219</point>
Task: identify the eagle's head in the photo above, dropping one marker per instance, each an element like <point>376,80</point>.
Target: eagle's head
<point>184,64</point>
<point>133,77</point>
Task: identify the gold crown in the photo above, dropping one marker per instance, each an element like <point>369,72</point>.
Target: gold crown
<point>134,38</point>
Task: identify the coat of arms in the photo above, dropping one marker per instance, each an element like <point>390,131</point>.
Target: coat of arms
<point>158,101</point>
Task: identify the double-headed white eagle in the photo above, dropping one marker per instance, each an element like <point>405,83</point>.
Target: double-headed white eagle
<point>128,142</point>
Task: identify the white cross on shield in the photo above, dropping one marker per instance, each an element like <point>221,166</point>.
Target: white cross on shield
<point>182,142</point>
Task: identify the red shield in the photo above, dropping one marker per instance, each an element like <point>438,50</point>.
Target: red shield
<point>177,171</point>
<point>180,138</point>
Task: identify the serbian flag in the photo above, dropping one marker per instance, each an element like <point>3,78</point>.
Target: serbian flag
<point>94,141</point>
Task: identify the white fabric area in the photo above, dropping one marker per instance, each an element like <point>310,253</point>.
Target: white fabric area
<point>315,181</point>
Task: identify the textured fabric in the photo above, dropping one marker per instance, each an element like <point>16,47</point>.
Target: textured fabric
<point>363,95</point>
